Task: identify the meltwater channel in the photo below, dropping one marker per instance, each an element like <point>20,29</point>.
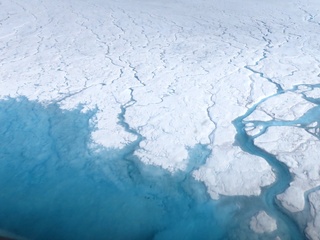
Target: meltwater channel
<point>53,186</point>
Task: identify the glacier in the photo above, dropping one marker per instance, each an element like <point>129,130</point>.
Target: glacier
<point>138,119</point>
<point>55,187</point>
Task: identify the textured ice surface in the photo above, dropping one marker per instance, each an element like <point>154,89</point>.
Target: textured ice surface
<point>287,106</point>
<point>228,162</point>
<point>312,228</point>
<point>53,186</point>
<point>262,223</point>
<point>166,79</point>
<point>299,151</point>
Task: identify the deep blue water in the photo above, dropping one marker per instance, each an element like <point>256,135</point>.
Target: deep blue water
<point>53,186</point>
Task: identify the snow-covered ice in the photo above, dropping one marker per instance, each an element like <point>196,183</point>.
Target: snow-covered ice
<point>312,228</point>
<point>170,79</point>
<point>299,151</point>
<point>223,173</point>
<point>262,223</point>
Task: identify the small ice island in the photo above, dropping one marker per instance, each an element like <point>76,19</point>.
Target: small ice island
<point>162,119</point>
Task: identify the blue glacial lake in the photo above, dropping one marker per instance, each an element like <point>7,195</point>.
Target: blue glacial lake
<point>53,186</point>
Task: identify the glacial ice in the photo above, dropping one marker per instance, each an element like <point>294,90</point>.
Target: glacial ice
<point>312,229</point>
<point>262,223</point>
<point>56,187</point>
<point>287,107</point>
<point>225,162</point>
<point>165,77</point>
<point>298,150</point>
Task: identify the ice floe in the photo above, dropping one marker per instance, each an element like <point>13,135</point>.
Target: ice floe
<point>262,223</point>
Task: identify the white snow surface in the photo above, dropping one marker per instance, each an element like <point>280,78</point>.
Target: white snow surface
<point>183,70</point>
<point>286,107</point>
<point>224,173</point>
<point>299,151</point>
<point>312,230</point>
<point>262,223</point>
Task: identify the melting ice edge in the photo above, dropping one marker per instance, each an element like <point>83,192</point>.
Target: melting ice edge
<point>54,186</point>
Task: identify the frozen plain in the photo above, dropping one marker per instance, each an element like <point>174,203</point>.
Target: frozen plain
<point>173,75</point>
